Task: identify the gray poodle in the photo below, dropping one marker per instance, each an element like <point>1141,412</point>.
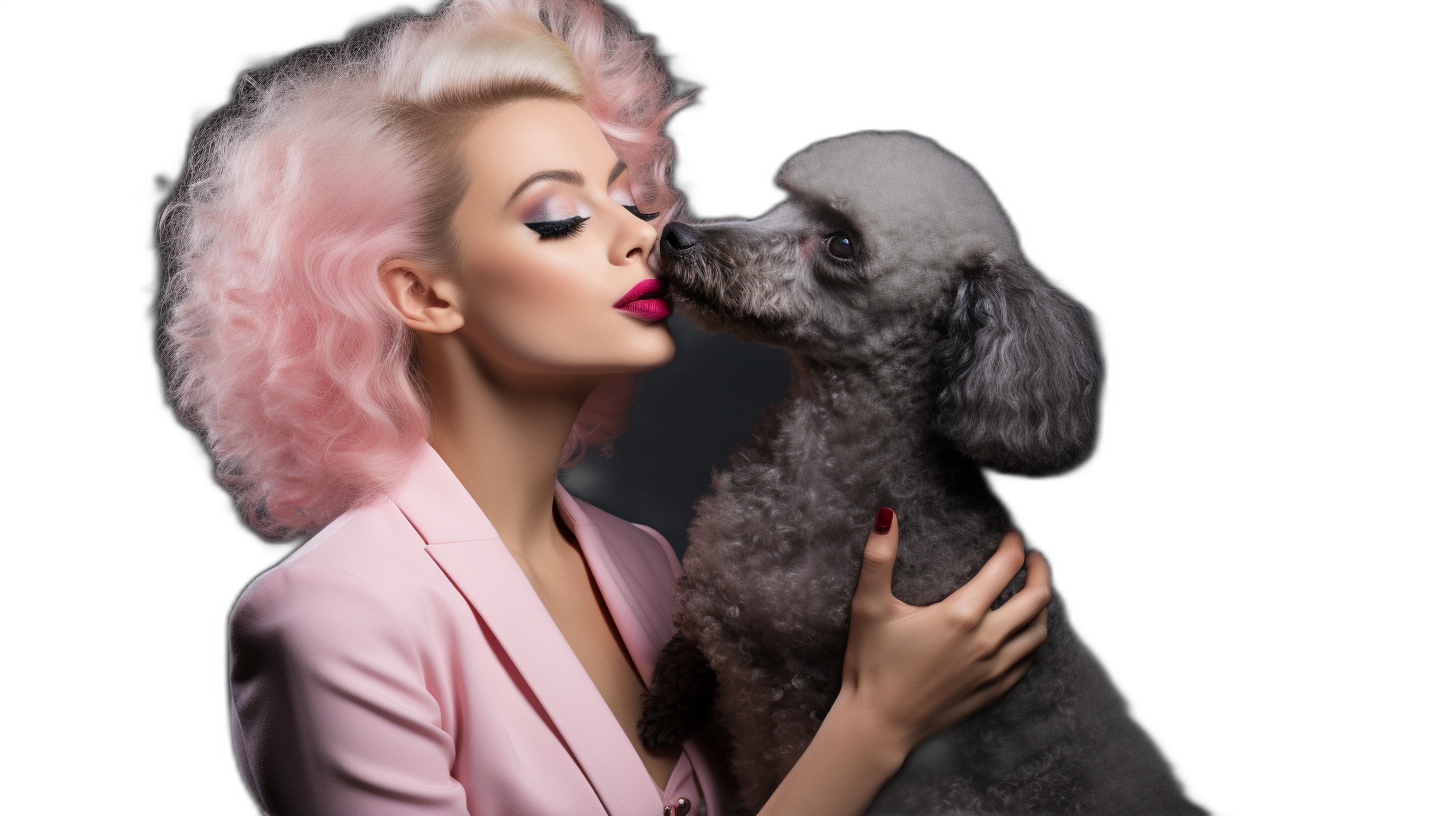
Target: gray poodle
<point>923,347</point>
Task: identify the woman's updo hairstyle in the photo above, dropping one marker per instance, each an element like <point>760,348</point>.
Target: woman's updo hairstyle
<point>276,338</point>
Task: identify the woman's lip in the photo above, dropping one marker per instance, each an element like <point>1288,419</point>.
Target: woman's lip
<point>647,287</point>
<point>649,309</point>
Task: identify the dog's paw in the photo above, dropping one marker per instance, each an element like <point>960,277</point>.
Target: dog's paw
<point>681,698</point>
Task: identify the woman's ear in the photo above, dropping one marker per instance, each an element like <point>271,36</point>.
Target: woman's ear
<point>426,301</point>
<point>1023,372</point>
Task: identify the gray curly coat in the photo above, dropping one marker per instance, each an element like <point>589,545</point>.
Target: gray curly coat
<point>924,347</point>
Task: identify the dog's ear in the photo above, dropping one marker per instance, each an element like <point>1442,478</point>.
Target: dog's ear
<point>1023,372</point>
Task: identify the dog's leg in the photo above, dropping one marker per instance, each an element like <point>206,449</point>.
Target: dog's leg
<point>681,698</point>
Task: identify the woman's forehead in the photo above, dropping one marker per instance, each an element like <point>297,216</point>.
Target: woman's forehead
<point>520,139</point>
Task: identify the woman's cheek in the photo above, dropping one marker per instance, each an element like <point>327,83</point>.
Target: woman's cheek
<point>549,303</point>
<point>547,292</point>
<point>518,280</point>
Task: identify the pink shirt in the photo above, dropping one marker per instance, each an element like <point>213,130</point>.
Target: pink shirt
<point>400,664</point>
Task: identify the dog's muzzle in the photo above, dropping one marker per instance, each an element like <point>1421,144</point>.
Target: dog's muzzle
<point>696,279</point>
<point>678,238</point>
<point>678,244</point>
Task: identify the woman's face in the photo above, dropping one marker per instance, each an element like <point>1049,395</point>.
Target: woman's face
<point>553,250</point>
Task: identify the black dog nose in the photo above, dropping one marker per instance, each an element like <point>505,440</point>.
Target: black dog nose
<point>679,237</point>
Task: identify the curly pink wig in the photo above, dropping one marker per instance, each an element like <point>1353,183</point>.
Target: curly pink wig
<point>278,343</point>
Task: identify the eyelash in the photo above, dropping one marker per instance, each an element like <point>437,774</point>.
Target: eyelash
<point>570,226</point>
<point>558,229</point>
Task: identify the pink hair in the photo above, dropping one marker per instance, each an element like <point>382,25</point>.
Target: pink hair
<point>278,342</point>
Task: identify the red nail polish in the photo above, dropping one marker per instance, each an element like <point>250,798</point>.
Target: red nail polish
<point>883,520</point>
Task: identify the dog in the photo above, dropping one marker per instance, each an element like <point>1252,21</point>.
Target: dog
<point>923,348</point>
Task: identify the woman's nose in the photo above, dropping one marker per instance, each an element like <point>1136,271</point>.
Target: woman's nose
<point>638,237</point>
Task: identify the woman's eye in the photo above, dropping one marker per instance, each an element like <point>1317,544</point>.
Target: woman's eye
<point>632,208</point>
<point>840,246</point>
<point>558,229</point>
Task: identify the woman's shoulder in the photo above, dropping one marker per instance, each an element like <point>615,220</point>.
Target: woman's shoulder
<point>367,566</point>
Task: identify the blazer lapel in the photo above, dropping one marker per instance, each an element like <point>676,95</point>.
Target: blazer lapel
<point>631,574</point>
<point>466,547</point>
<point>631,578</point>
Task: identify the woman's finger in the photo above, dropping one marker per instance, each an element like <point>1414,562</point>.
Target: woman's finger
<point>1012,676</point>
<point>1021,644</point>
<point>1038,572</point>
<point>878,566</point>
<point>1028,601</point>
<point>989,694</point>
<point>970,602</point>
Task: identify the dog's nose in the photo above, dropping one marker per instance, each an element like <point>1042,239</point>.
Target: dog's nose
<point>679,237</point>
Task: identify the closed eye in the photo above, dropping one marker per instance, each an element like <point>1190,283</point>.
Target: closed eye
<point>619,189</point>
<point>558,229</point>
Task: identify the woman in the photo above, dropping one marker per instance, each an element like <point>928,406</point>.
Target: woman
<point>408,281</point>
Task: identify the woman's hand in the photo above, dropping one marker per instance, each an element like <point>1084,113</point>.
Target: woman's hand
<point>918,670</point>
<point>911,672</point>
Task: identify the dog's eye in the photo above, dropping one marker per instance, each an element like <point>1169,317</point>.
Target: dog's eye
<point>840,246</point>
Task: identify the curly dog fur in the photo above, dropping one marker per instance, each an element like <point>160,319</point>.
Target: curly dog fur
<point>924,346</point>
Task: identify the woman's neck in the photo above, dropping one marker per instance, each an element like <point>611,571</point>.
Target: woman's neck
<point>502,435</point>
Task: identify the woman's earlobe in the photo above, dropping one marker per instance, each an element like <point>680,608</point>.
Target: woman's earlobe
<point>425,301</point>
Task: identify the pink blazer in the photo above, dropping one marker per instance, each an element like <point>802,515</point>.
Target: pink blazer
<point>400,664</point>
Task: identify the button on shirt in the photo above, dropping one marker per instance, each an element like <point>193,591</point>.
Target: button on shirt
<point>682,796</point>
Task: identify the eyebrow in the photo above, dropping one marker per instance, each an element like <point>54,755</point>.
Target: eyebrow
<point>568,176</point>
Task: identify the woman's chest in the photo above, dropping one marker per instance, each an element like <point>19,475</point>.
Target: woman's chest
<point>529,734</point>
<point>575,603</point>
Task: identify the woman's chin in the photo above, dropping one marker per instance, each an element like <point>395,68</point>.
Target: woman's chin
<point>646,352</point>
<point>661,352</point>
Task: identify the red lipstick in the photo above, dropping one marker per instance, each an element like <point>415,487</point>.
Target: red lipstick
<point>645,301</point>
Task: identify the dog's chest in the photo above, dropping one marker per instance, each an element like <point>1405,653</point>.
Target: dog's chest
<point>795,545</point>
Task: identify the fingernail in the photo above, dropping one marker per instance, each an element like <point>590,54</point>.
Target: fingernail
<point>883,520</point>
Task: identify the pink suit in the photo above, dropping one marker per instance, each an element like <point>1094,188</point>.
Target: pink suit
<point>400,664</point>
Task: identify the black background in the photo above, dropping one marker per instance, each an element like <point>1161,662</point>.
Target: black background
<point>1150,168</point>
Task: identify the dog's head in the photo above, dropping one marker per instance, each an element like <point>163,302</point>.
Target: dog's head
<point>889,243</point>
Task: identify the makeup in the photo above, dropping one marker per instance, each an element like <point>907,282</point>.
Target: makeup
<point>554,214</point>
<point>645,301</point>
<point>556,229</point>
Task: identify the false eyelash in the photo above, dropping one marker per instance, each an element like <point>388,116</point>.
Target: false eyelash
<point>558,229</point>
<point>632,208</point>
